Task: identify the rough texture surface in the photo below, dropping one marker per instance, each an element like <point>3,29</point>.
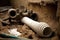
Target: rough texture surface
<point>45,14</point>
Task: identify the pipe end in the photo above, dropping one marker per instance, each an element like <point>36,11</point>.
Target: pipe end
<point>47,32</point>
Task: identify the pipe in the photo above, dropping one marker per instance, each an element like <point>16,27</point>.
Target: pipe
<point>12,13</point>
<point>41,28</point>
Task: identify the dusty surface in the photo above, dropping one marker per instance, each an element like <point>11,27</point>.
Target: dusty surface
<point>45,14</point>
<point>29,33</point>
<point>26,32</point>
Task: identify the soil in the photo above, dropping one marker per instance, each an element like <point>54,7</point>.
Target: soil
<point>45,14</point>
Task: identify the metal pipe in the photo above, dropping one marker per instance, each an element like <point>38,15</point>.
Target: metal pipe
<point>41,28</point>
<point>12,13</point>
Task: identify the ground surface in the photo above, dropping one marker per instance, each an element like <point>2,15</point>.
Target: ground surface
<point>45,14</point>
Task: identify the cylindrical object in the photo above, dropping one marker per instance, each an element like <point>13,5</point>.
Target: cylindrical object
<point>12,13</point>
<point>41,28</point>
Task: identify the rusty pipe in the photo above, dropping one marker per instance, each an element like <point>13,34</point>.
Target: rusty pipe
<point>12,13</point>
<point>41,28</point>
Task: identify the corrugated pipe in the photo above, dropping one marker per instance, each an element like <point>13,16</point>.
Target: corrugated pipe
<point>41,28</point>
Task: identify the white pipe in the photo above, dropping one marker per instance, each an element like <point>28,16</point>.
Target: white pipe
<point>41,28</point>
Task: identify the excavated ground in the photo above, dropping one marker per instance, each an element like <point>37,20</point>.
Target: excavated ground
<point>45,14</point>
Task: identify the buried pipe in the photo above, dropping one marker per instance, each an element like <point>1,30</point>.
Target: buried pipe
<point>41,28</point>
<point>12,13</point>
